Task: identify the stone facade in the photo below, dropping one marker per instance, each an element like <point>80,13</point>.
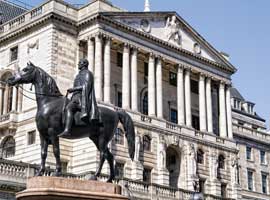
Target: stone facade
<point>190,133</point>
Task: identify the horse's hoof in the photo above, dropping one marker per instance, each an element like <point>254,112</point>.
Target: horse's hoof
<point>93,178</point>
<point>109,180</point>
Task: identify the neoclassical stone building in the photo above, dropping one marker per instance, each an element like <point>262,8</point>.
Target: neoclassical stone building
<point>193,130</point>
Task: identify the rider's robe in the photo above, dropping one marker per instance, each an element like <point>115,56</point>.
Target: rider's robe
<point>89,108</point>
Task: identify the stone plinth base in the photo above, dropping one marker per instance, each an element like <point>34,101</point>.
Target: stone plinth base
<point>54,188</point>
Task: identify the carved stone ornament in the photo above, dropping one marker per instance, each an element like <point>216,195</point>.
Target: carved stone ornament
<point>173,32</point>
<point>145,25</point>
<point>197,48</point>
<point>32,45</point>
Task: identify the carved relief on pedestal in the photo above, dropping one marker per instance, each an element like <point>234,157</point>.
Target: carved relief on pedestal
<point>214,166</point>
<point>173,31</point>
<point>162,153</point>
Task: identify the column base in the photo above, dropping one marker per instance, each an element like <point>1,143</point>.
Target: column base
<point>236,192</point>
<point>163,177</point>
<point>215,187</point>
<point>136,170</point>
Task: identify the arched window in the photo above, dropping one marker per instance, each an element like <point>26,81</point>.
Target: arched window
<point>119,136</point>
<point>221,162</point>
<point>146,143</point>
<point>145,104</point>
<point>8,147</point>
<point>200,156</point>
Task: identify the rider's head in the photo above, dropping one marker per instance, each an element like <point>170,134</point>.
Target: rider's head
<point>83,63</point>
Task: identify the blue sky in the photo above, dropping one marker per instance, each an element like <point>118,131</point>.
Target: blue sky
<point>239,28</point>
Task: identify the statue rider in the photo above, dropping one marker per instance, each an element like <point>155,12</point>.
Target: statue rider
<point>83,99</point>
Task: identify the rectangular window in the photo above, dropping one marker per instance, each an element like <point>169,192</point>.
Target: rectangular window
<point>147,175</point>
<point>119,99</point>
<point>194,86</point>
<point>119,170</point>
<point>250,180</point>
<point>173,78</point>
<point>31,137</point>
<point>262,156</point>
<point>13,54</point>
<point>119,136</point>
<point>173,116</point>
<point>195,122</point>
<point>264,183</point>
<point>223,190</point>
<point>248,152</point>
<point>119,59</point>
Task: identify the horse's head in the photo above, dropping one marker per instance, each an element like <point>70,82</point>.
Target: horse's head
<point>26,75</point>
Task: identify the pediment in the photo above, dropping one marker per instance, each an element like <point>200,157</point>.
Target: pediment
<point>170,28</point>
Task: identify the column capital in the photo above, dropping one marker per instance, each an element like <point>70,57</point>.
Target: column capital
<point>202,75</point>
<point>152,55</point>
<point>135,49</point>
<point>90,38</point>
<point>126,45</point>
<point>107,38</point>
<point>98,35</point>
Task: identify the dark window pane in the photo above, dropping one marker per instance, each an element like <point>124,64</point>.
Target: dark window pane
<point>145,69</point>
<point>119,99</point>
<point>223,190</point>
<point>173,78</point>
<point>201,184</point>
<point>248,153</point>
<point>221,162</point>
<point>174,116</point>
<point>119,59</point>
<point>194,86</point>
<point>262,155</point>
<point>264,183</point>
<point>250,180</point>
<point>8,148</point>
<point>147,175</point>
<point>195,122</point>
<point>13,53</point>
<point>119,170</point>
<point>145,104</point>
<point>119,136</point>
<point>200,156</point>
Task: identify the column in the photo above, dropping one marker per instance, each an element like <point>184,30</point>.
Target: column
<point>180,96</point>
<point>91,53</point>
<point>222,111</point>
<point>159,89</point>
<point>14,99</point>
<point>98,68</point>
<point>187,97</point>
<point>151,86</point>
<point>209,105</point>
<point>229,111</point>
<point>20,99</point>
<point>5,100</point>
<point>77,55</point>
<point>107,71</point>
<point>1,100</point>
<point>126,78</point>
<point>134,79</point>
<point>202,109</point>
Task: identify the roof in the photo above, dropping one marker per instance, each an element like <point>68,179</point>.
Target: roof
<point>236,94</point>
<point>9,11</point>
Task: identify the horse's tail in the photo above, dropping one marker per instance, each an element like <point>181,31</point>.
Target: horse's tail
<point>127,122</point>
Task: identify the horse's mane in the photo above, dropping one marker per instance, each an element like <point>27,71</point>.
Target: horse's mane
<point>48,80</point>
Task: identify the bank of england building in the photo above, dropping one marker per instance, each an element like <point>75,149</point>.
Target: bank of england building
<point>194,130</point>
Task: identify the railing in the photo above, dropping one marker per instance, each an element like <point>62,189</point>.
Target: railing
<point>239,129</point>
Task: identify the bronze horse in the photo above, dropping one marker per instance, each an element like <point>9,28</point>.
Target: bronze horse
<point>50,104</point>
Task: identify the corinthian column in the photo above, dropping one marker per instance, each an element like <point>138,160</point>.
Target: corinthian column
<point>126,78</point>
<point>209,105</point>
<point>107,71</point>
<point>98,68</point>
<point>5,100</point>
<point>229,112</point>
<point>91,53</point>
<point>14,99</point>
<point>222,111</point>
<point>180,96</point>
<point>134,79</point>
<point>1,100</point>
<point>202,103</point>
<point>151,86</point>
<point>159,89</point>
<point>187,97</point>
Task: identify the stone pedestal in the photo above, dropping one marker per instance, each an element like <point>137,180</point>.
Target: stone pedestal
<point>215,187</point>
<point>54,188</point>
<point>163,177</point>
<point>137,170</point>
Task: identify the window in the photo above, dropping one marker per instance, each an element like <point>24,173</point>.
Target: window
<point>194,86</point>
<point>201,184</point>
<point>173,117</point>
<point>119,170</point>
<point>145,104</point>
<point>64,167</point>
<point>200,156</point>
<point>250,180</point>
<point>223,190</point>
<point>262,156</point>
<point>221,162</point>
<point>119,136</point>
<point>13,54</point>
<point>195,122</point>
<point>119,59</point>
<point>173,78</point>
<point>119,99</point>
<point>248,152</point>
<point>264,183</point>
<point>31,137</point>
<point>146,143</point>
<point>8,147</point>
<point>147,175</point>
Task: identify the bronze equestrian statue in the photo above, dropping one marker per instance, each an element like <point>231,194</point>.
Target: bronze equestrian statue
<point>85,119</point>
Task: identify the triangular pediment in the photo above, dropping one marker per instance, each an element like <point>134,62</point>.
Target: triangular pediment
<point>171,28</point>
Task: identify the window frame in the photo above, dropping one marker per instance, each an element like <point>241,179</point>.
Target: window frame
<point>176,115</point>
<point>11,59</point>
<point>200,152</point>
<point>122,169</point>
<point>266,183</point>
<point>8,151</point>
<point>250,185</point>
<point>249,153</point>
<point>149,171</point>
<point>33,141</point>
<point>119,137</point>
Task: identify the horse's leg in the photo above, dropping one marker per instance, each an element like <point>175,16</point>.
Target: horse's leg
<point>44,150</point>
<point>56,152</point>
<point>108,155</point>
